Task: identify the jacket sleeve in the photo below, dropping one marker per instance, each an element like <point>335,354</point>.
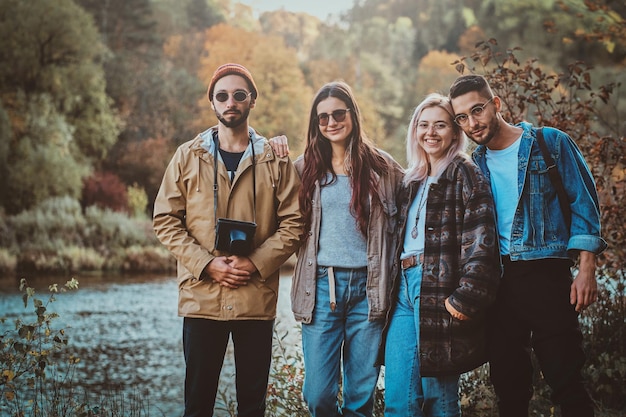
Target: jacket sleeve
<point>169,219</point>
<point>276,249</point>
<point>479,253</point>
<point>581,191</point>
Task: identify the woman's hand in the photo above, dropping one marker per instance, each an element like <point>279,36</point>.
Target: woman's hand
<point>280,145</point>
<point>454,313</point>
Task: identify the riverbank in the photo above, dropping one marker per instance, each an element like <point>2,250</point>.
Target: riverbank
<point>127,334</point>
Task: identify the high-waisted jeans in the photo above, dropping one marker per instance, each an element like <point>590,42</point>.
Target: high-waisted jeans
<point>407,393</point>
<point>344,333</point>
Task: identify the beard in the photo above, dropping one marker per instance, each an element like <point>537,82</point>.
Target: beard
<point>237,121</point>
<point>490,130</point>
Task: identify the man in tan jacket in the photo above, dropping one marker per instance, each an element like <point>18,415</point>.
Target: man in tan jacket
<point>228,287</point>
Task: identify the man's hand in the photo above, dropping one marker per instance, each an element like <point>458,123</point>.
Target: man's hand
<point>222,270</point>
<point>584,290</point>
<point>242,263</point>
<point>280,145</point>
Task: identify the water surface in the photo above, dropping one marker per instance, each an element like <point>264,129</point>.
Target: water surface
<point>127,334</point>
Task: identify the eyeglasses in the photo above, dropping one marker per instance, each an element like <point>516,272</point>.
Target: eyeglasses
<point>439,126</point>
<point>239,95</point>
<point>476,112</point>
<point>338,116</point>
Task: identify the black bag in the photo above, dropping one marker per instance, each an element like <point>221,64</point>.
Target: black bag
<point>234,236</point>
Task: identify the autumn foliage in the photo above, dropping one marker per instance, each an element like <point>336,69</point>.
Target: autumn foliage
<point>105,190</point>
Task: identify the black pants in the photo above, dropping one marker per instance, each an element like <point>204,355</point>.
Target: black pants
<point>533,311</point>
<point>205,342</point>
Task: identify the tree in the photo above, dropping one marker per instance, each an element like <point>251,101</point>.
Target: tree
<point>41,163</point>
<point>201,16</point>
<point>54,94</point>
<point>128,28</point>
<point>298,30</point>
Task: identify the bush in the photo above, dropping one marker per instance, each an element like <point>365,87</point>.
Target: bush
<point>8,262</point>
<point>147,259</point>
<point>110,229</point>
<point>54,223</point>
<point>28,355</point>
<point>56,237</point>
<point>137,201</point>
<point>605,343</point>
<point>105,190</point>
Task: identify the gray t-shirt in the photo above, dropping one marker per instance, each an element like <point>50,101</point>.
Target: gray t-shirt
<point>341,244</point>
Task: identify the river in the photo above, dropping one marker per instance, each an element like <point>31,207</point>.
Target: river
<point>127,334</point>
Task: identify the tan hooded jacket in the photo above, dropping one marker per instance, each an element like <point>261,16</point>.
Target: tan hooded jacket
<point>184,221</point>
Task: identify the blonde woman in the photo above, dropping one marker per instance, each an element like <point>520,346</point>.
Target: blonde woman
<point>449,271</point>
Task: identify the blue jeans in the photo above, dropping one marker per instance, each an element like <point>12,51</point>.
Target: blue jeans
<point>331,335</point>
<point>204,344</point>
<point>407,393</point>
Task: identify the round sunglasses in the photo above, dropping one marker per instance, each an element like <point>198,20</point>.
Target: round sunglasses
<point>239,96</point>
<point>338,116</point>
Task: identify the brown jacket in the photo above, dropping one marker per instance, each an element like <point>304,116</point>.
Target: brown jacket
<point>381,246</point>
<point>184,221</point>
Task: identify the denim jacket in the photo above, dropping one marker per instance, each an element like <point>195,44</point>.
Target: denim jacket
<point>539,229</point>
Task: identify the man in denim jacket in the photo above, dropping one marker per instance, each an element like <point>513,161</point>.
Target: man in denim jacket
<point>538,302</point>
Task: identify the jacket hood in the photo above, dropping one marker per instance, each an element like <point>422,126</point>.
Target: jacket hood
<point>204,142</point>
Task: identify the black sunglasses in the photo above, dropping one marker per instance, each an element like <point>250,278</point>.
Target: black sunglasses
<point>338,116</point>
<point>239,95</point>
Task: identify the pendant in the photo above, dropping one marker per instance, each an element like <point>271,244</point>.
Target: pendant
<point>414,232</point>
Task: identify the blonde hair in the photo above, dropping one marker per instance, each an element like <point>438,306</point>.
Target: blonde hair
<point>419,164</point>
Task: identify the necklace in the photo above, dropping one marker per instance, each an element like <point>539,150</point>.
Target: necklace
<point>420,205</point>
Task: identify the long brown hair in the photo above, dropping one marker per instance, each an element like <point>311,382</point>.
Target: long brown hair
<point>363,161</point>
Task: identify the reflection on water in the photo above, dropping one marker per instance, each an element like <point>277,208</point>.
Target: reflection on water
<point>127,334</point>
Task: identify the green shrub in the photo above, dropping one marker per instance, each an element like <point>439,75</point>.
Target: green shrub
<point>77,259</point>
<point>107,229</point>
<point>7,234</point>
<point>605,343</point>
<point>54,223</point>
<point>147,259</point>
<point>284,394</point>
<point>8,262</point>
<point>137,200</point>
<point>29,353</point>
<point>56,237</point>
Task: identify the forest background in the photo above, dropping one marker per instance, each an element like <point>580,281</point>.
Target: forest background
<point>95,95</point>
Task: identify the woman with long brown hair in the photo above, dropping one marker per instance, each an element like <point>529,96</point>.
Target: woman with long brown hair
<point>341,280</point>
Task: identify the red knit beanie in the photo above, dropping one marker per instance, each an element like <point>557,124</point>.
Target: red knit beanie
<point>228,69</point>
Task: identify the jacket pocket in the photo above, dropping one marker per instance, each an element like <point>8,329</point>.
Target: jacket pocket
<point>541,193</point>
<point>468,341</point>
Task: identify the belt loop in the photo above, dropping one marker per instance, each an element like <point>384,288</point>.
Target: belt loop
<point>331,288</point>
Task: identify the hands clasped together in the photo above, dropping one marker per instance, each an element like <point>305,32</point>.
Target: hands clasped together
<point>231,271</point>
